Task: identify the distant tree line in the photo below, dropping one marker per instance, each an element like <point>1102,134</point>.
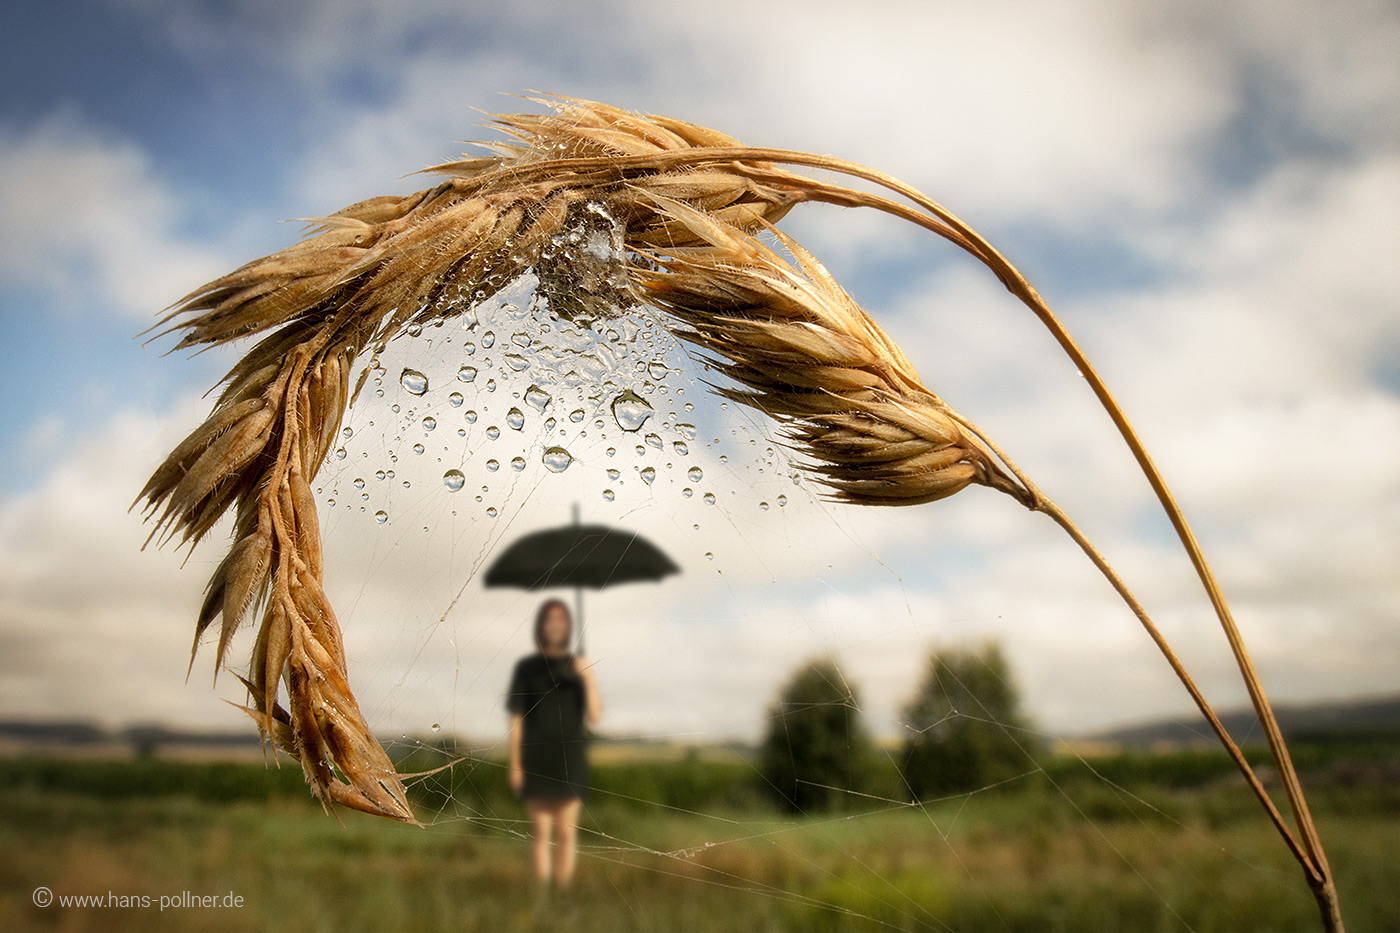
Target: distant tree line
<point>964,731</point>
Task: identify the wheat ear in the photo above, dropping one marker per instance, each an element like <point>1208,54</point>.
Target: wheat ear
<point>687,197</point>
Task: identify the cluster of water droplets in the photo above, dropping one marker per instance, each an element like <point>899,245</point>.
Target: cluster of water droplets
<point>517,388</point>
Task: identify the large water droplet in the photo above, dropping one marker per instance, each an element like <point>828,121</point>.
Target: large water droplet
<point>695,474</point>
<point>516,362</point>
<point>687,492</point>
<point>340,453</point>
<point>631,411</point>
<point>654,440</point>
<point>614,474</point>
<point>488,339</point>
<point>686,430</point>
<point>763,506</point>
<point>381,516</point>
<point>491,512</point>
<point>517,463</point>
<point>782,501</point>
<point>537,398</point>
<point>415,382</point>
<point>516,419</point>
<point>455,400</point>
<point>493,432</point>
<point>576,415</point>
<point>429,423</point>
<point>437,727</point>
<point>680,447</point>
<point>418,448</point>
<point>359,482</point>
<point>557,459</point>
<point>648,475</point>
<point>467,374</point>
<point>470,415</point>
<point>493,465</point>
<point>609,495</point>
<point>454,480</point>
<point>709,498</point>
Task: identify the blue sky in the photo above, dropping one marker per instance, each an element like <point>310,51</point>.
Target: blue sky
<point>1210,196</point>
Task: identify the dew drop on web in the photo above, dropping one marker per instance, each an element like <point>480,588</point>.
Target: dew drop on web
<point>414,382</point>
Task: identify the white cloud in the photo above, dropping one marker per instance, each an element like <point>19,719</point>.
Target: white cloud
<point>88,221</point>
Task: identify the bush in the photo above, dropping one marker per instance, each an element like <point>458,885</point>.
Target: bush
<point>816,746</point>
<point>968,731</point>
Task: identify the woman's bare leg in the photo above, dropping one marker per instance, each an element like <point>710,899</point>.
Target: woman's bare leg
<point>542,825</point>
<point>566,837</point>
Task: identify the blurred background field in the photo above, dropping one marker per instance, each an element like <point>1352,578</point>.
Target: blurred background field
<point>687,839</point>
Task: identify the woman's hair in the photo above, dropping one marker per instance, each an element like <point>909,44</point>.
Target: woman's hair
<point>544,614</point>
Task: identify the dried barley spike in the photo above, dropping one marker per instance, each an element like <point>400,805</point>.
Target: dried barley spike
<point>810,357</point>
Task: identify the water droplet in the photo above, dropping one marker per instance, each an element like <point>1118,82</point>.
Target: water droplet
<point>687,492</point>
<point>549,424</point>
<point>576,415</point>
<point>557,459</point>
<point>680,447</point>
<point>782,501</point>
<point>418,448</point>
<point>347,433</point>
<point>381,516</point>
<point>415,382</point>
<point>359,482</point>
<point>658,370</point>
<point>689,406</point>
<point>695,474</point>
<point>686,430</point>
<point>641,451</point>
<point>378,474</point>
<point>709,555</point>
<point>630,411</point>
<point>493,432</point>
<point>490,385</point>
<point>454,480</point>
<point>609,495</point>
<point>515,418</point>
<point>516,362</point>
<point>493,465</point>
<point>488,339</point>
<point>654,440</point>
<point>437,727</point>
<point>520,338</point>
<point>614,474</point>
<point>723,458</point>
<point>648,475</point>
<point>709,498</point>
<point>415,329</point>
<point>429,423</point>
<point>491,512</point>
<point>537,398</point>
<point>763,506</point>
<point>455,400</point>
<point>612,451</point>
<point>340,453</point>
<point>517,463</point>
<point>467,374</point>
<point>470,415</point>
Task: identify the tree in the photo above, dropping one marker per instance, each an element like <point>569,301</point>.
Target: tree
<point>816,745</point>
<point>967,728</point>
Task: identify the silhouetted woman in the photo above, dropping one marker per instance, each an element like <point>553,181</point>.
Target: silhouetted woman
<point>552,700</point>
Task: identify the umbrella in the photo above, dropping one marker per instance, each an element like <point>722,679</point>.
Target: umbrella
<point>579,556</point>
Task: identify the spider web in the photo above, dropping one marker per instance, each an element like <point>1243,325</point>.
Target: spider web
<point>473,430</point>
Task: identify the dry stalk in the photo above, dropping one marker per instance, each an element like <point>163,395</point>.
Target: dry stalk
<point>685,202</point>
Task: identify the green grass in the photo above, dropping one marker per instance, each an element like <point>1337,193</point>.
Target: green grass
<point>1078,854</point>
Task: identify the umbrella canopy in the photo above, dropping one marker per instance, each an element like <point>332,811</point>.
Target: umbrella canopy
<point>579,556</point>
<point>592,556</point>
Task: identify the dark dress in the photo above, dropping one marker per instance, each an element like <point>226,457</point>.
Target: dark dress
<point>549,694</point>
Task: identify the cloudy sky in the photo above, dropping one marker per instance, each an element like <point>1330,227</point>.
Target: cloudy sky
<point>1208,193</point>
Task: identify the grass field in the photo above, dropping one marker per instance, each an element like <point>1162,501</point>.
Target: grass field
<point>679,846</point>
